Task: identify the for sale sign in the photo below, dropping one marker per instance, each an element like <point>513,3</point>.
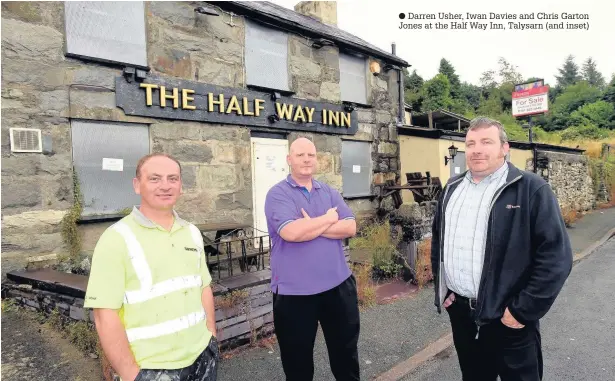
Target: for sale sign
<point>530,98</point>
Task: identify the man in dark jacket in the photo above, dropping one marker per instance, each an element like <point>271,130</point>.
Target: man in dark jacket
<point>500,256</point>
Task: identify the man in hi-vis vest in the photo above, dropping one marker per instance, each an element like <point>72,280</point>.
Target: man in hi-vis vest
<point>150,287</point>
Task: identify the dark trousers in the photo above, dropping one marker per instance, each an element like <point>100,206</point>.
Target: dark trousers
<point>296,319</point>
<point>204,368</point>
<point>513,354</point>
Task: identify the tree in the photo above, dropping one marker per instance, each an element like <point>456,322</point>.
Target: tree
<point>592,75</point>
<point>488,80</point>
<point>447,69</point>
<point>413,84</point>
<point>436,93</point>
<point>508,72</point>
<point>570,100</point>
<point>609,93</point>
<point>596,114</point>
<point>471,94</point>
<point>569,73</point>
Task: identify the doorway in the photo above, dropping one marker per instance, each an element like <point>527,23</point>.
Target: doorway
<point>269,167</point>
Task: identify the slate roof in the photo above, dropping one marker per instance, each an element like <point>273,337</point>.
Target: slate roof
<point>284,18</point>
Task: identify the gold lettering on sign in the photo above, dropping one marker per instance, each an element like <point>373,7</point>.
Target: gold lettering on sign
<point>258,107</point>
<point>324,117</point>
<point>164,97</point>
<point>219,102</point>
<point>299,114</point>
<point>310,113</point>
<point>233,105</point>
<point>334,118</point>
<point>346,119</point>
<point>284,111</point>
<point>148,92</point>
<point>246,107</point>
<point>186,98</point>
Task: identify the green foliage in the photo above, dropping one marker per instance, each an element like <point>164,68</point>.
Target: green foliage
<point>569,73</point>
<point>570,100</point>
<point>592,75</point>
<point>471,94</point>
<point>586,132</point>
<point>436,93</point>
<point>449,71</point>
<point>70,230</point>
<point>595,114</point>
<point>376,238</point>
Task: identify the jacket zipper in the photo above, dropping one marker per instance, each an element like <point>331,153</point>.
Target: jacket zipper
<point>442,215</point>
<point>482,281</point>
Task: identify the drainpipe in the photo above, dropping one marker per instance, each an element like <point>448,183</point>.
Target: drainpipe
<point>400,82</point>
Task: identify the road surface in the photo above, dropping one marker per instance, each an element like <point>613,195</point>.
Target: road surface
<point>578,333</point>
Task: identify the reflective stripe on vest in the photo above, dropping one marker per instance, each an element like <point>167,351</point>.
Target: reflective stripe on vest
<point>165,328</point>
<point>137,258</point>
<point>149,291</point>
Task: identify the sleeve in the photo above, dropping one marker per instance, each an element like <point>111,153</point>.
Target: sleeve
<point>343,210</point>
<point>280,211</point>
<point>552,259</point>
<point>107,281</point>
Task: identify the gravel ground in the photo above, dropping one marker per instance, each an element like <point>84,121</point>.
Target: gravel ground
<point>411,324</point>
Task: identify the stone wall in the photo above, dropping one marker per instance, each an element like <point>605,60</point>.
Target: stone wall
<point>41,88</point>
<point>569,177</point>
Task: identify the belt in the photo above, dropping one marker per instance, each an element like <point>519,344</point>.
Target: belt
<point>470,302</point>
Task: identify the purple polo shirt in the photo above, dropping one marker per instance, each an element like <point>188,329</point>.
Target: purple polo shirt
<point>311,267</point>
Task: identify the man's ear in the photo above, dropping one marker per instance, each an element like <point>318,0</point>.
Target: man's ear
<point>135,185</point>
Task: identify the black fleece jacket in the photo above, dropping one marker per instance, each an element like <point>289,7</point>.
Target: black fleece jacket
<point>527,253</point>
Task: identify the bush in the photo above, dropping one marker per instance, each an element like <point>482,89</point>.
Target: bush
<point>588,132</point>
<point>376,238</point>
<point>366,290</point>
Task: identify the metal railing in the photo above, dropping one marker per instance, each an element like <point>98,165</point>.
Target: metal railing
<point>239,251</point>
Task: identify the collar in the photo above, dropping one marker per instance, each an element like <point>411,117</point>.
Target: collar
<point>495,176</point>
<point>293,183</point>
<point>146,222</point>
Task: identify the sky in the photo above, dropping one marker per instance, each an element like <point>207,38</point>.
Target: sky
<point>535,53</point>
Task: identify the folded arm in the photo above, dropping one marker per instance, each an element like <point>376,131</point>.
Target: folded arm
<point>114,343</point>
<point>306,229</point>
<point>341,229</point>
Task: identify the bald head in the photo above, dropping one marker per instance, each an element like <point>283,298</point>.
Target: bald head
<point>302,158</point>
<point>302,144</point>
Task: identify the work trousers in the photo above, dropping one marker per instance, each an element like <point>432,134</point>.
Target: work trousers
<point>513,354</point>
<point>296,319</point>
<point>204,368</point>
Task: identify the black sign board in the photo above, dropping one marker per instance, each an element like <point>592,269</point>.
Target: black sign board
<point>170,98</point>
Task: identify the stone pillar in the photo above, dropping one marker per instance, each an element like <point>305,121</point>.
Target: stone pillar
<point>410,225</point>
<point>323,11</point>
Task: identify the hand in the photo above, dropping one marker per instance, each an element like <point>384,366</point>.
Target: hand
<point>305,215</point>
<point>448,301</point>
<point>332,215</point>
<point>509,321</point>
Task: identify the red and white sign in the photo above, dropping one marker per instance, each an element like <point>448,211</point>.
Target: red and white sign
<point>531,101</point>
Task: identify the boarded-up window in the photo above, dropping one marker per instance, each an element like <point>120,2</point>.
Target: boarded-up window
<point>353,83</point>
<point>356,168</point>
<point>266,57</point>
<point>106,31</point>
<point>105,156</point>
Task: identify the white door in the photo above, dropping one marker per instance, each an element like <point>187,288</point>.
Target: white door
<point>268,168</point>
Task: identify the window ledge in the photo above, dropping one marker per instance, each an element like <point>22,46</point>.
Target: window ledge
<point>287,93</point>
<point>362,105</point>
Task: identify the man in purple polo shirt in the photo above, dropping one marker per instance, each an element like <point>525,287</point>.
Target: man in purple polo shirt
<point>310,279</point>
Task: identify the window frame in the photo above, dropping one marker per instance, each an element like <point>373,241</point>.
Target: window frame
<point>356,56</point>
<point>105,60</point>
<point>288,88</point>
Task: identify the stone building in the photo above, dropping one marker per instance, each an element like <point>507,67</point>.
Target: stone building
<point>89,87</point>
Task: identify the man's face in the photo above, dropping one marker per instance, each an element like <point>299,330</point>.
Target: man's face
<point>159,183</point>
<point>484,151</point>
<point>302,158</point>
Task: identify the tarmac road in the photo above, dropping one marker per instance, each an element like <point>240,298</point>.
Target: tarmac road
<point>578,333</point>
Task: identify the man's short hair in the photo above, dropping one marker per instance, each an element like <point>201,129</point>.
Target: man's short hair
<point>155,154</point>
<point>483,122</point>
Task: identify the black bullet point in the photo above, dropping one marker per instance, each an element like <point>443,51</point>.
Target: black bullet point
<point>402,16</point>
